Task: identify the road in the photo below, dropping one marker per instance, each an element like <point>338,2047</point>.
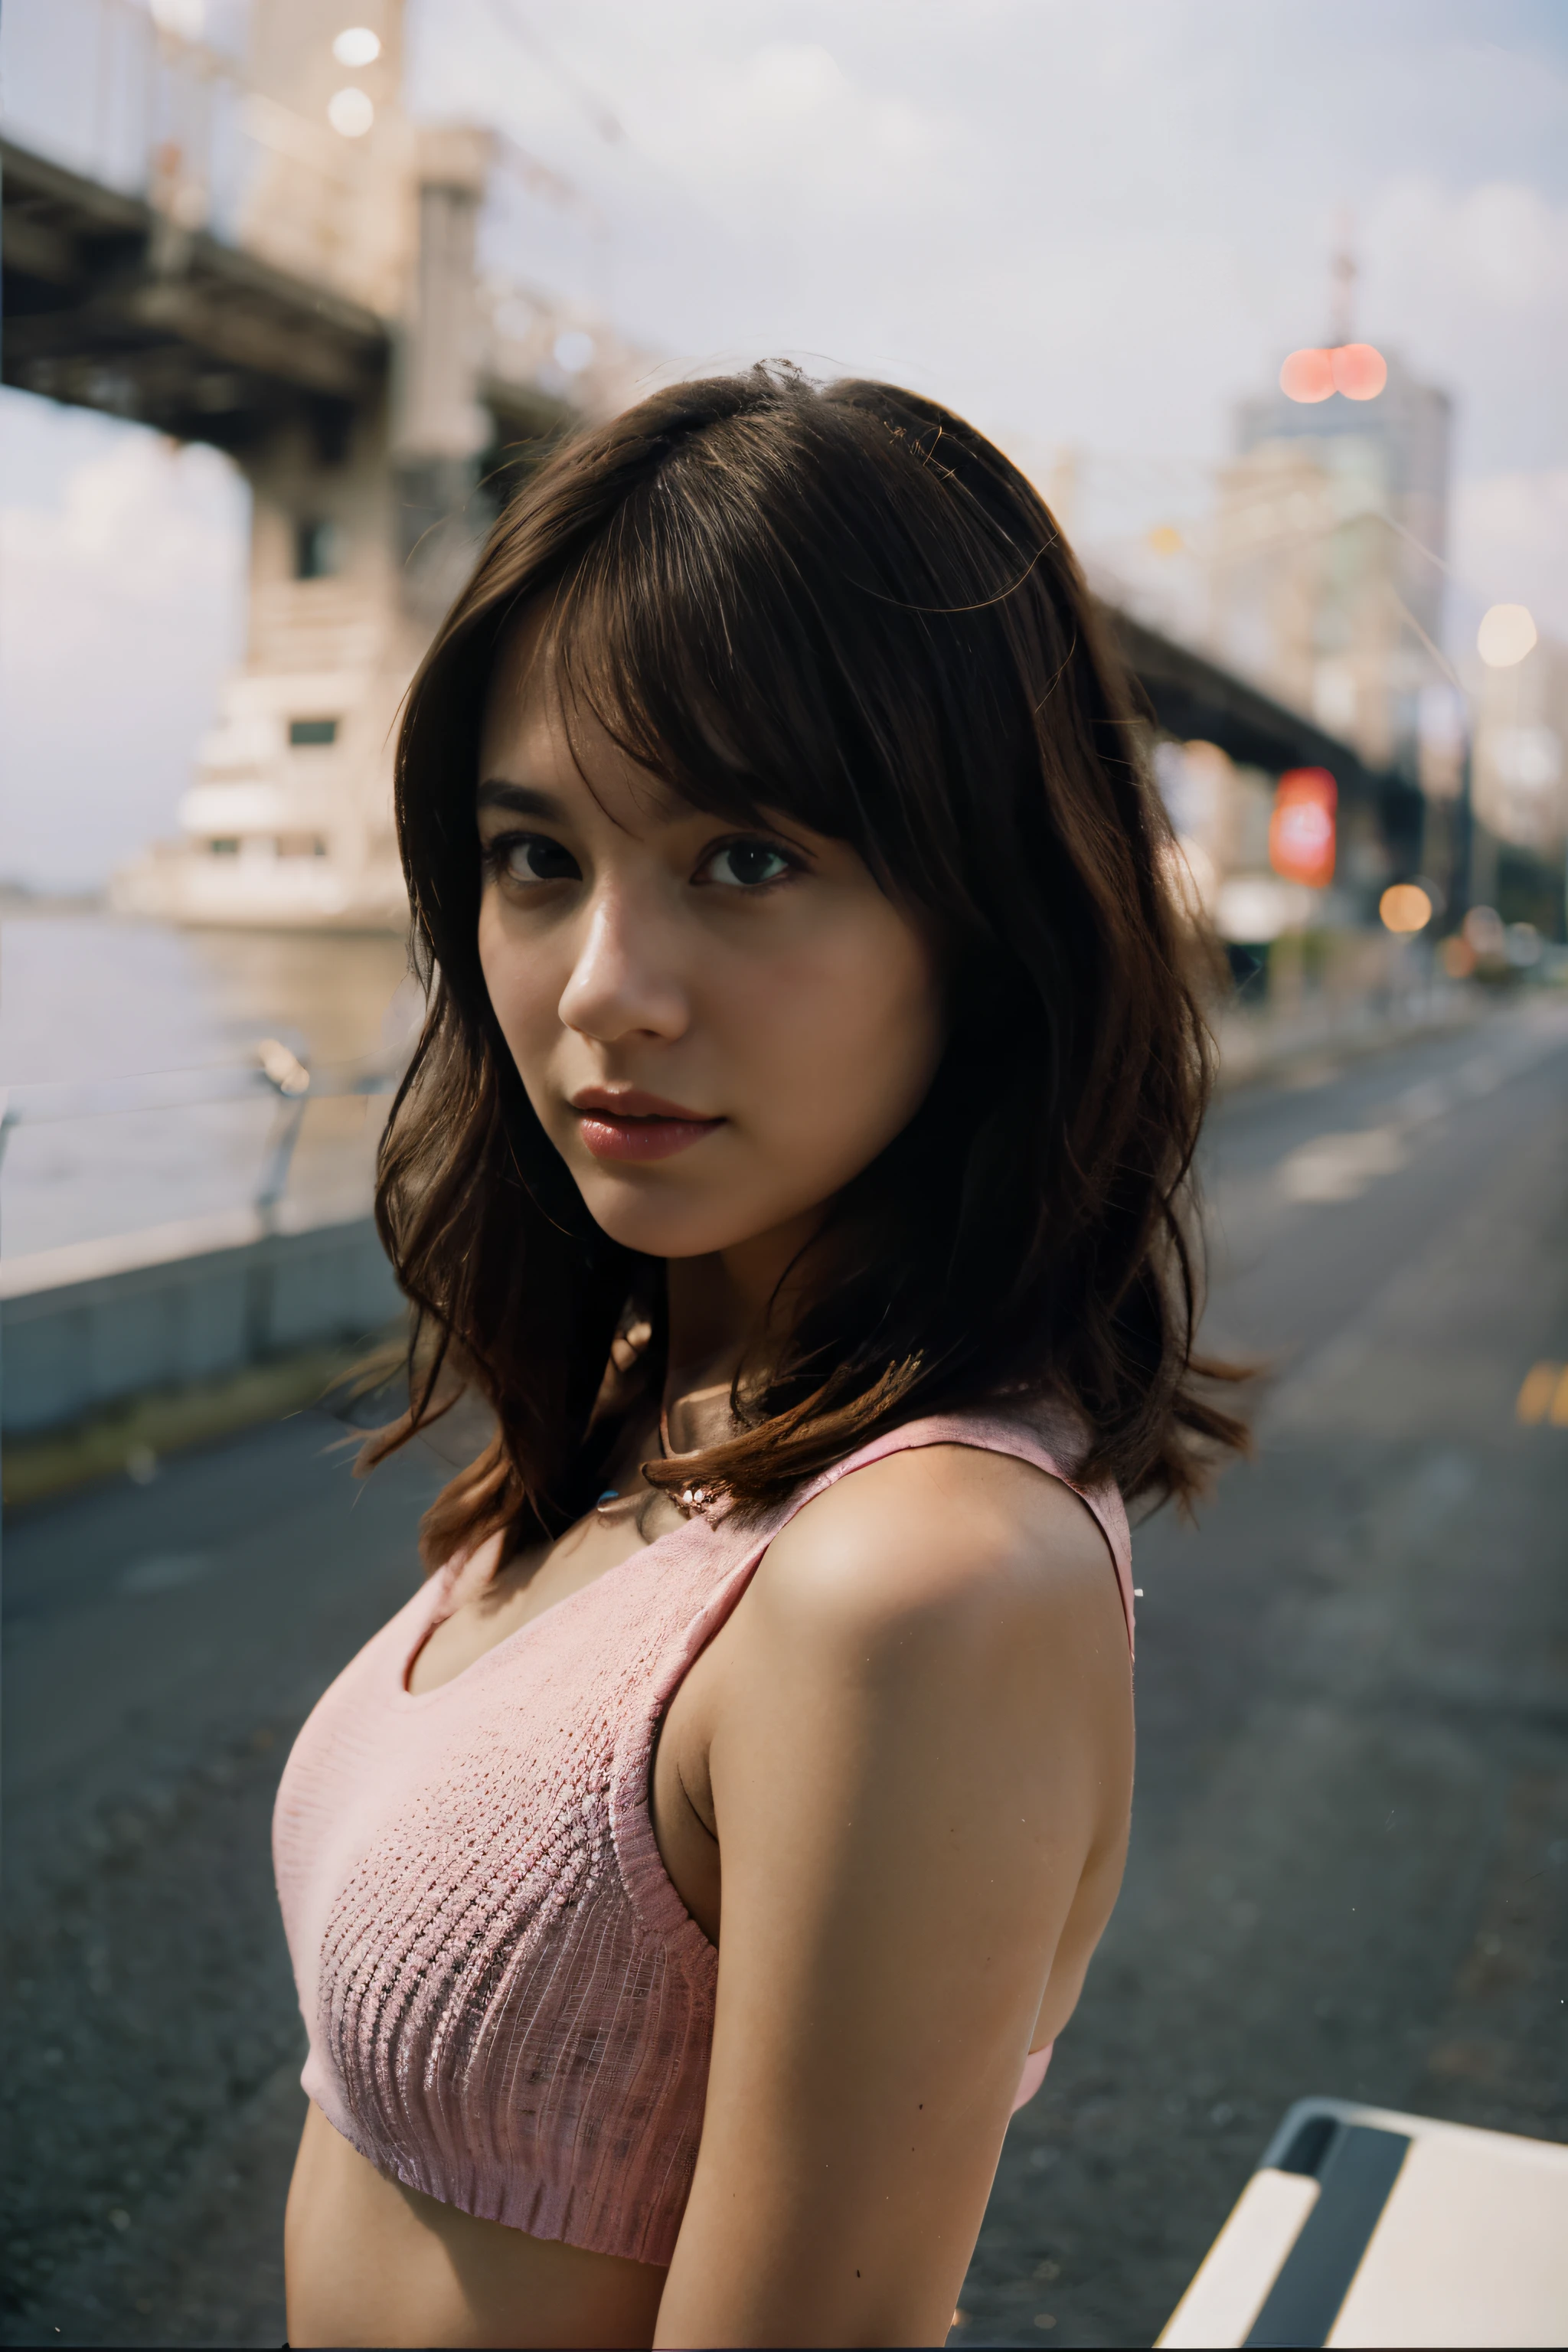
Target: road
<point>1351,1849</point>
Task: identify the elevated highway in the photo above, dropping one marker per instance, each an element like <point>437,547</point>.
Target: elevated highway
<point>110,304</point>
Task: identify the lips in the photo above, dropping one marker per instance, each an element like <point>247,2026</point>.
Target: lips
<point>636,1127</point>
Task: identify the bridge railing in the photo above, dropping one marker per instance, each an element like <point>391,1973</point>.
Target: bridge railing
<point>116,91</point>
<point>276,1074</point>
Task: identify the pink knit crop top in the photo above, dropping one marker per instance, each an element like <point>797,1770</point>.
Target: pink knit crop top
<point>508,2005</point>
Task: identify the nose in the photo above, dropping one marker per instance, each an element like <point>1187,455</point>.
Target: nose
<point>623,981</point>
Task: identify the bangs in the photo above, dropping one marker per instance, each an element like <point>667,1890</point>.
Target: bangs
<point>698,640</point>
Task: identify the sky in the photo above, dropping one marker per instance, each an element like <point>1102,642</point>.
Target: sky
<point>1091,227</point>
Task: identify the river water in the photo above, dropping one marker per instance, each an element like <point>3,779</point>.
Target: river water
<point>87,995</point>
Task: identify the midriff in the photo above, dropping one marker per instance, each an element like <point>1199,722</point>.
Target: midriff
<point>370,2262</point>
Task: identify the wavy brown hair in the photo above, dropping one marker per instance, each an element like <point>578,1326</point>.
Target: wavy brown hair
<point>842,604</point>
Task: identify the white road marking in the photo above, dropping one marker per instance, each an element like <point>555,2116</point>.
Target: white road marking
<point>1340,1167</point>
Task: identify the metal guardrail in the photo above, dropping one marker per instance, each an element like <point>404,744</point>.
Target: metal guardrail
<point>277,1073</point>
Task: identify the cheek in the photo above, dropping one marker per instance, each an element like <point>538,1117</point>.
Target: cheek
<point>522,986</point>
<point>842,1043</point>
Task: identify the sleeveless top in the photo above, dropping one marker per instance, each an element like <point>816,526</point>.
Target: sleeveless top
<point>509,2007</point>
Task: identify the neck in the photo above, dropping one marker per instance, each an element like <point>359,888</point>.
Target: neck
<point>727,1306</point>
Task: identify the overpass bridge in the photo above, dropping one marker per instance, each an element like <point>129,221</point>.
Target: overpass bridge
<point>268,255</point>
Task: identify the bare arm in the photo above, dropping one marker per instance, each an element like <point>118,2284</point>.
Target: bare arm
<point>920,1740</point>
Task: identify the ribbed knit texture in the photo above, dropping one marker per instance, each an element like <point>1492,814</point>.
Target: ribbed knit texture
<point>508,2005</point>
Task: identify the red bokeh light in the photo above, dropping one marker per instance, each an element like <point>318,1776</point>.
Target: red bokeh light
<point>1355,368</point>
<point>1360,373</point>
<point>1307,375</point>
<point>1301,829</point>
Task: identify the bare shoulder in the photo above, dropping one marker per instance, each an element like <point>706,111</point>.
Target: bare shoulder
<point>955,1536</point>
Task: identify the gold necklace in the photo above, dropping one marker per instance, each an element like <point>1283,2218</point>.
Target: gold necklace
<point>690,1498</point>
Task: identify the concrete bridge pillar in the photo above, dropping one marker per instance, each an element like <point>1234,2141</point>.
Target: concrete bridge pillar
<point>439,428</point>
<point>365,514</point>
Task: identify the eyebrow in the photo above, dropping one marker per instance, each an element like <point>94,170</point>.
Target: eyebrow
<point>523,800</point>
<point>527,800</point>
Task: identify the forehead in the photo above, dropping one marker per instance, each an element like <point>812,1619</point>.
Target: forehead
<point>522,700</point>
<point>538,736</point>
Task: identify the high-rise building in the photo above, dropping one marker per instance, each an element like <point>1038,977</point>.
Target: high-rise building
<point>1326,569</point>
<point>1521,776</point>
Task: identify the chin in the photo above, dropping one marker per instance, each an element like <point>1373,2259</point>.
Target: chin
<point>643,1217</point>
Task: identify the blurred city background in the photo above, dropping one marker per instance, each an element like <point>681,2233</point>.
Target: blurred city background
<point>1273,307</point>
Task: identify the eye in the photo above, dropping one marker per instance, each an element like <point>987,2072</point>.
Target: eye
<point>745,865</point>
<point>531,857</point>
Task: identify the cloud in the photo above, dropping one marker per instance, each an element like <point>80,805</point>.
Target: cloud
<point>1511,247</point>
<point>149,521</point>
<point>120,606</point>
<point>1471,281</point>
<point>785,120</point>
<point>1099,225</point>
<point>1499,246</point>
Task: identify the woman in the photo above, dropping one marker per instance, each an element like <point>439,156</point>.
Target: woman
<point>689,1882</point>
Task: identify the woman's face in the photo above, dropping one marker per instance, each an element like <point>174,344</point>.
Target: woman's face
<point>717,1027</point>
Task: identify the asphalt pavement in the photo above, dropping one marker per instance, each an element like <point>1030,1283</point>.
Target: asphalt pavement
<point>1351,1847</point>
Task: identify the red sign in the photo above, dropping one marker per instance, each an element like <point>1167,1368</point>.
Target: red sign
<point>1301,829</point>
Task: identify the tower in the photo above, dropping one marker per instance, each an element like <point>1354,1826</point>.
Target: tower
<point>1326,581</point>
<point>366,505</point>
